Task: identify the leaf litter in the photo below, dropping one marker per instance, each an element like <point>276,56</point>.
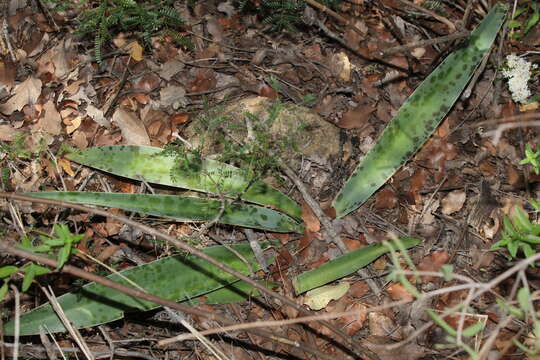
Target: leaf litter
<point>68,98</point>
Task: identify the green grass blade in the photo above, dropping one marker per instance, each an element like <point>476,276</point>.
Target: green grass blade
<point>183,208</point>
<point>177,278</point>
<point>419,116</point>
<point>343,266</point>
<point>209,176</point>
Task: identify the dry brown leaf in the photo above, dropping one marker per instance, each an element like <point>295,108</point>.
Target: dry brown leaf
<point>79,139</point>
<point>397,292</point>
<point>310,220</point>
<point>135,51</point>
<point>7,132</point>
<point>453,202</point>
<point>351,244</point>
<point>433,262</point>
<point>65,164</point>
<point>380,324</point>
<point>7,74</point>
<point>303,244</point>
<point>353,323</point>
<point>74,124</point>
<point>26,93</point>
<point>133,130</point>
<point>356,118</point>
<point>170,68</point>
<point>386,199</point>
<point>215,29</point>
<point>358,289</point>
<point>173,96</point>
<point>51,122</point>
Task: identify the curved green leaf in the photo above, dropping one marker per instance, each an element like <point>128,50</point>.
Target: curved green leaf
<point>210,176</point>
<point>419,116</point>
<point>183,208</point>
<point>177,278</point>
<point>343,265</point>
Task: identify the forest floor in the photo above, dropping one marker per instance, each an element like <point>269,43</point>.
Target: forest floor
<point>342,76</point>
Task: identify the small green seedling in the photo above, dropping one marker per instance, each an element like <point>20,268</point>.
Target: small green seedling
<point>452,336</point>
<point>49,245</point>
<point>519,232</point>
<point>524,19</point>
<point>531,157</point>
<point>64,240</point>
<point>524,310</point>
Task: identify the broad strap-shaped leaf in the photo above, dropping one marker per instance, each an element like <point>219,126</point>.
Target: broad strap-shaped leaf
<point>183,208</point>
<point>177,278</point>
<point>419,116</point>
<point>344,265</point>
<point>210,176</point>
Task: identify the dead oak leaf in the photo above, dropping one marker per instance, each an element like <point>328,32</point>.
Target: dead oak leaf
<point>174,96</point>
<point>8,132</point>
<point>26,93</point>
<point>7,74</point>
<point>51,122</point>
<point>433,262</point>
<point>453,202</point>
<point>397,292</point>
<point>133,130</point>
<point>356,118</point>
<point>310,219</point>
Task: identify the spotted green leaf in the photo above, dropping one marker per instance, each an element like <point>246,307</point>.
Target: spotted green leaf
<point>183,208</point>
<point>419,115</point>
<point>344,265</point>
<point>209,176</point>
<point>177,278</point>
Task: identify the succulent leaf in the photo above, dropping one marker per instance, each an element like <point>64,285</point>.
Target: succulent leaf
<point>209,176</point>
<point>183,208</point>
<point>419,116</point>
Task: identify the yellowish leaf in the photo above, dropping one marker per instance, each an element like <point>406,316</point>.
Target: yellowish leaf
<point>135,50</point>
<point>319,298</point>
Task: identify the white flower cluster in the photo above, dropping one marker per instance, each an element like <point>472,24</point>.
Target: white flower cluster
<point>518,72</point>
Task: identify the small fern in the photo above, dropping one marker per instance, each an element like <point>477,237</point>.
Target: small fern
<point>112,16</point>
<point>280,14</point>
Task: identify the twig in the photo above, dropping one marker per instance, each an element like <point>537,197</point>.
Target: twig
<point>422,43</point>
<point>108,340</point>
<point>17,325</point>
<point>257,250</point>
<point>335,37</point>
<point>180,318</point>
<point>47,344</point>
<point>442,19</point>
<point>67,324</point>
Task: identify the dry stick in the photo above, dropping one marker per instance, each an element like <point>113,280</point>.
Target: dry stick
<point>158,234</point>
<point>72,270</point>
<point>334,14</point>
<point>442,19</point>
<point>67,324</point>
<point>17,322</point>
<point>335,37</point>
<point>422,43</point>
